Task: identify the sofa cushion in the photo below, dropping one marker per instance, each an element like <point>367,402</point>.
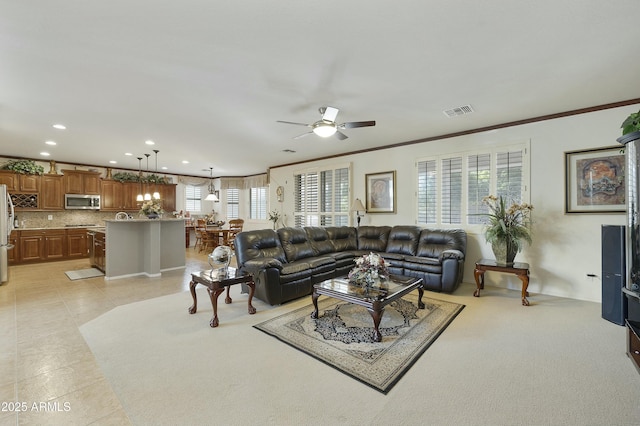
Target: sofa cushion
<point>295,244</point>
<point>343,238</point>
<point>258,244</point>
<point>434,241</point>
<point>373,238</point>
<point>403,240</point>
<point>319,239</point>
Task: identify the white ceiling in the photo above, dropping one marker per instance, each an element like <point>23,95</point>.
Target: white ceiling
<point>207,80</point>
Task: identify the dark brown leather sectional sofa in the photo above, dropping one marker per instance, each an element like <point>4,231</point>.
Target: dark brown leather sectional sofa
<point>287,262</point>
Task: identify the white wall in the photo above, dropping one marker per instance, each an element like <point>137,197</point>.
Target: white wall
<point>566,246</point>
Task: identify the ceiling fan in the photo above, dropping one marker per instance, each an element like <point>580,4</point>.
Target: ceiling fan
<point>327,125</point>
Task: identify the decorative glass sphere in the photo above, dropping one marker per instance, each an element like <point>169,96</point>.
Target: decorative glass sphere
<point>220,257</point>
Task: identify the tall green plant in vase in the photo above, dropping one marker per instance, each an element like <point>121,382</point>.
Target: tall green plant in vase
<point>507,228</point>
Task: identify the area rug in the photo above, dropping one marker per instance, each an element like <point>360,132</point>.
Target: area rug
<point>84,273</point>
<point>342,336</point>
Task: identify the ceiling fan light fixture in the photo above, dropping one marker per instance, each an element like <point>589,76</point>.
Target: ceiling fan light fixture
<point>324,130</point>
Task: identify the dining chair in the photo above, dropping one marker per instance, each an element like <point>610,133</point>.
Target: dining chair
<point>200,230</point>
<point>235,227</point>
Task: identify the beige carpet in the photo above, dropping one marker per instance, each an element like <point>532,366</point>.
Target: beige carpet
<point>342,336</point>
<point>555,362</point>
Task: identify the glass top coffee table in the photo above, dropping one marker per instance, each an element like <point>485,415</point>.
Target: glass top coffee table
<point>374,299</point>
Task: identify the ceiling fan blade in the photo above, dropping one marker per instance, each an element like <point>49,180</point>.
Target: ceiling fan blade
<point>291,122</point>
<point>338,134</point>
<point>302,135</point>
<point>354,124</point>
<point>330,114</point>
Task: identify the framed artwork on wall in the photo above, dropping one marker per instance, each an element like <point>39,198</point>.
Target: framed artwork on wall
<point>381,192</point>
<point>595,181</point>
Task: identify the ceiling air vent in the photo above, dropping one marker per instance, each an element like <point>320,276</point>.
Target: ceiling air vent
<point>462,110</point>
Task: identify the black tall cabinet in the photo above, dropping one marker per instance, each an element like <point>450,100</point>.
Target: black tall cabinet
<point>614,302</point>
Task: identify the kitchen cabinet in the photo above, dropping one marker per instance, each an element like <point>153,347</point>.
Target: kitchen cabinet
<point>29,183</point>
<point>119,196</point>
<point>13,255</point>
<point>81,182</point>
<point>168,197</point>
<point>55,244</point>
<point>52,195</point>
<point>77,243</point>
<point>9,178</point>
<point>98,254</point>
<point>31,246</point>
<point>43,245</point>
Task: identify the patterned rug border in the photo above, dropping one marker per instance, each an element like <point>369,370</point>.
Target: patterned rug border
<point>412,355</point>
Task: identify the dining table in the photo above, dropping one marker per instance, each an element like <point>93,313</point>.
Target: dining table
<point>218,234</point>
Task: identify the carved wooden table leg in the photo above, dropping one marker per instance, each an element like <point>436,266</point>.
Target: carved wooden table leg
<point>525,283</point>
<point>314,299</point>
<point>479,276</point>
<point>213,295</point>
<point>252,289</point>
<point>192,288</point>
<point>376,314</point>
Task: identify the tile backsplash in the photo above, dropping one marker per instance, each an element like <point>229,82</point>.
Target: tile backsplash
<point>62,218</point>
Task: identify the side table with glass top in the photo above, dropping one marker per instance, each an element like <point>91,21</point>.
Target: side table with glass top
<point>216,280</point>
<point>520,269</point>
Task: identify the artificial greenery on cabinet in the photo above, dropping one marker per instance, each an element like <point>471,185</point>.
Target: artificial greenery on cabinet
<point>25,167</point>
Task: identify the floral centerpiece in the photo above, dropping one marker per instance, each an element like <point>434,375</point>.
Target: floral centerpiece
<point>274,216</point>
<point>151,208</point>
<point>507,228</point>
<point>368,269</point>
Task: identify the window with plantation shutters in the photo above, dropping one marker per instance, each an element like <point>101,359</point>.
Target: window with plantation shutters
<point>233,203</point>
<point>258,203</point>
<point>450,188</point>
<point>321,198</point>
<point>193,198</point>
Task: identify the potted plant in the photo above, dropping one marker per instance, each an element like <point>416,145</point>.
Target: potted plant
<point>25,167</point>
<point>630,128</point>
<point>507,228</point>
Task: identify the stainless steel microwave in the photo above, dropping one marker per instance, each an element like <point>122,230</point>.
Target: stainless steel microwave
<point>81,202</point>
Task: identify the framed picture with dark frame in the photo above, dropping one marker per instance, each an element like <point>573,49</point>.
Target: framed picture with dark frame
<point>381,192</point>
<point>595,181</point>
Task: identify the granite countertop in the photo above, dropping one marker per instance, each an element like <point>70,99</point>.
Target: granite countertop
<point>59,227</point>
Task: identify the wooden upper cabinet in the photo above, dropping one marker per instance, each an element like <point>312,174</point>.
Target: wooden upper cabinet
<point>168,197</point>
<point>10,179</point>
<point>111,196</point>
<point>81,182</point>
<point>29,183</point>
<point>52,195</point>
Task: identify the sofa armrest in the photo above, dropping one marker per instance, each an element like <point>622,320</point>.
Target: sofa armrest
<point>451,254</point>
<point>254,266</point>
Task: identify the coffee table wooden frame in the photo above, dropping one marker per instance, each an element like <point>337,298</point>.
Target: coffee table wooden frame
<point>216,282</point>
<point>374,304</point>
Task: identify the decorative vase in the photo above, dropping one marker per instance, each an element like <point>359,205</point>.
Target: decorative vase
<point>504,252</point>
<point>153,216</point>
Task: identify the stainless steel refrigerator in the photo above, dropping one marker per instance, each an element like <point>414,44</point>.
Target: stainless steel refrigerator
<point>7,214</point>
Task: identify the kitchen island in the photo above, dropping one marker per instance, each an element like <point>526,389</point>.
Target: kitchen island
<point>143,247</point>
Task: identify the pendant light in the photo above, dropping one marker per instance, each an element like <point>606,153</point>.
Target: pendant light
<point>147,196</point>
<point>212,196</point>
<point>156,194</point>
<point>140,198</point>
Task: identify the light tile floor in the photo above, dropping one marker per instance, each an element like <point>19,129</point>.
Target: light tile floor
<point>48,374</point>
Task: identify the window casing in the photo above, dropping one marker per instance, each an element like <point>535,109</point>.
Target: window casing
<point>258,203</point>
<point>450,188</point>
<point>193,198</point>
<point>322,197</point>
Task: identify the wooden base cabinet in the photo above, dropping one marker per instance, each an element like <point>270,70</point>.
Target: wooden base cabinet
<point>13,255</point>
<point>44,245</point>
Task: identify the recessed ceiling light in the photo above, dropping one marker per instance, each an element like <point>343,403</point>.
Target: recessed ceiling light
<point>60,126</point>
<point>128,153</point>
<point>185,162</point>
<point>45,154</point>
<point>150,142</point>
<point>113,162</point>
<point>50,142</point>
<point>163,168</point>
